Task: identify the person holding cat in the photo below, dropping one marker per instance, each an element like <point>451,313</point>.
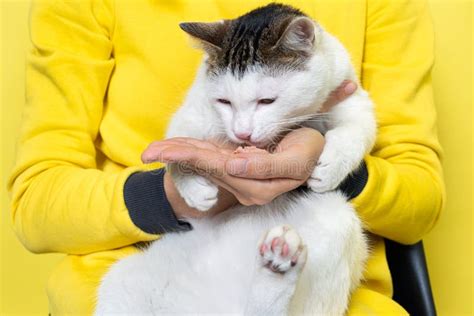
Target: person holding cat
<point>104,78</point>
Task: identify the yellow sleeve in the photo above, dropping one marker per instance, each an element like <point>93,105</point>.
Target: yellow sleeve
<point>405,190</point>
<point>61,202</point>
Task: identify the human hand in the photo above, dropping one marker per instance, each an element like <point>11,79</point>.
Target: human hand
<point>255,177</point>
<point>258,177</point>
<point>345,89</point>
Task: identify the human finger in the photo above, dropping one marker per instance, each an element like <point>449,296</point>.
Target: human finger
<point>345,89</point>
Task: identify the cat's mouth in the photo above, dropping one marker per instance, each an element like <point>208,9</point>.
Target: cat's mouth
<point>269,145</point>
<point>261,144</point>
<point>258,144</point>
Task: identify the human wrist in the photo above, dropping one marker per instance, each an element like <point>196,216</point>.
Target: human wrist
<point>148,205</point>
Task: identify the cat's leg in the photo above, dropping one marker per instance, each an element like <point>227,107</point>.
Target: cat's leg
<point>125,289</point>
<point>190,121</point>
<point>352,135</point>
<point>281,258</point>
<point>337,251</point>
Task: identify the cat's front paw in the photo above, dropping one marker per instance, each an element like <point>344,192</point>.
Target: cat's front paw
<point>330,171</point>
<point>282,250</point>
<point>197,192</point>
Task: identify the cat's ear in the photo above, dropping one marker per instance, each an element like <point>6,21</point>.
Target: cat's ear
<point>209,36</point>
<point>300,35</point>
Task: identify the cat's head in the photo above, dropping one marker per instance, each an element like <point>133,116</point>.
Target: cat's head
<point>263,71</point>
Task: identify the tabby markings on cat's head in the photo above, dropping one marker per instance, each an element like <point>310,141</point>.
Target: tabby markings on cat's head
<point>275,36</point>
<point>259,70</point>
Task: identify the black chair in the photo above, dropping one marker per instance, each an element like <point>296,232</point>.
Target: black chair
<point>411,282</point>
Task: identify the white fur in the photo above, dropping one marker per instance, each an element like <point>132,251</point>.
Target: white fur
<point>217,267</point>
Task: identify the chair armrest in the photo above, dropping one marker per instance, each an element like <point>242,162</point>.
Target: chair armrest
<point>411,283</point>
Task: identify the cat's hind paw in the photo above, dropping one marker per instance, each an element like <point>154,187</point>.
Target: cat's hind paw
<point>282,249</point>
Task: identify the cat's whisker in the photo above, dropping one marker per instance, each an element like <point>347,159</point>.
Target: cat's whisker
<point>303,118</point>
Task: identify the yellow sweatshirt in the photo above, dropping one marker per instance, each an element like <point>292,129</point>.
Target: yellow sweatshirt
<point>103,78</point>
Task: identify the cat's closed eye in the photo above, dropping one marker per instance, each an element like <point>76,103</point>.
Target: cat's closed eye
<point>224,101</point>
<point>266,101</point>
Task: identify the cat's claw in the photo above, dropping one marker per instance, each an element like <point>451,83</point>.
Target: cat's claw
<point>282,249</point>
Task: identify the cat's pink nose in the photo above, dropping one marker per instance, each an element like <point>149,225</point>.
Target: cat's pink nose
<point>243,135</point>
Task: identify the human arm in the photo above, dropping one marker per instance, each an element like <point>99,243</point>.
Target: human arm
<point>61,201</point>
<point>405,191</point>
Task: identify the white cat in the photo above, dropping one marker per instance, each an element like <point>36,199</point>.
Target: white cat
<point>304,252</point>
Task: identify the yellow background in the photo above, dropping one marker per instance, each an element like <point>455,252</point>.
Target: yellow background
<point>449,247</point>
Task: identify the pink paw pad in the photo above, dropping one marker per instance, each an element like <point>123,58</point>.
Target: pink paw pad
<point>282,249</point>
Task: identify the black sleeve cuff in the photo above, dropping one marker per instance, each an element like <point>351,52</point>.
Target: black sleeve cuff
<point>353,185</point>
<point>148,206</point>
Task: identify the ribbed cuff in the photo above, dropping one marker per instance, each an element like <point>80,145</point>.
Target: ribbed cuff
<point>353,185</point>
<point>148,206</point>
